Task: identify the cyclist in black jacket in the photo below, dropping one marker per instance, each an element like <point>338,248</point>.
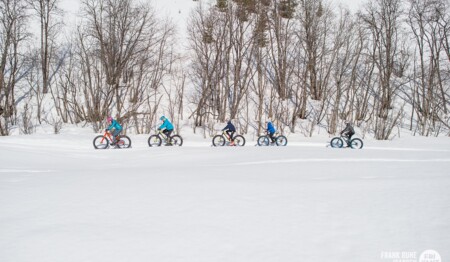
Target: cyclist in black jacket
<point>348,132</point>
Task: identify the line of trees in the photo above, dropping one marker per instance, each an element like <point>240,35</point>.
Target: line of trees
<point>113,63</point>
<point>303,63</point>
<point>297,60</point>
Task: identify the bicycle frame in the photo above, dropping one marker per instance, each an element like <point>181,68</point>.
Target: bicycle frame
<point>275,135</point>
<point>225,134</point>
<point>108,136</point>
<point>161,135</point>
<point>346,140</point>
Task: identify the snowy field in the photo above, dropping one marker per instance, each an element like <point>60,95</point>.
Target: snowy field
<point>61,200</point>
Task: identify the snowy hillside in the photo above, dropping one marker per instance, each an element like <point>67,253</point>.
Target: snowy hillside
<point>61,200</point>
<point>203,62</point>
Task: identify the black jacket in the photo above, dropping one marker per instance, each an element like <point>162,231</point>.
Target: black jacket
<point>348,130</point>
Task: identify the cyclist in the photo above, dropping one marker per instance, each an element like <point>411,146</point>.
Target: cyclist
<point>348,132</point>
<point>166,126</point>
<point>115,128</point>
<point>230,129</point>
<point>271,130</point>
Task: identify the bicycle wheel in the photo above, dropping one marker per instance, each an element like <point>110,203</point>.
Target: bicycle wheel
<point>263,141</point>
<point>124,142</point>
<point>239,140</point>
<point>281,141</point>
<point>176,140</point>
<point>154,140</point>
<point>101,142</point>
<point>218,140</point>
<point>337,142</point>
<point>356,143</point>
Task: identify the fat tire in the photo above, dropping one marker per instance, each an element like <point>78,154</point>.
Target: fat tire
<point>124,142</point>
<point>154,140</point>
<point>239,140</point>
<point>263,141</point>
<point>356,143</point>
<point>98,144</point>
<point>281,141</point>
<point>176,140</point>
<point>218,140</point>
<point>337,142</point>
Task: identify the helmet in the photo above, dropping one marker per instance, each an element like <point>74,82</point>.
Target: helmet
<point>162,118</point>
<point>109,118</point>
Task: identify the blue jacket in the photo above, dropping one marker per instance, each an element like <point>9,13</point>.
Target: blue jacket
<point>270,128</point>
<point>166,125</point>
<point>115,125</point>
<point>230,127</point>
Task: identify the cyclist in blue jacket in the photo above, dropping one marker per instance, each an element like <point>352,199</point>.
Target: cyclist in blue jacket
<point>166,126</point>
<point>115,128</point>
<point>271,131</point>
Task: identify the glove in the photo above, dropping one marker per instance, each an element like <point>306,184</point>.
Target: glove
<point>158,129</point>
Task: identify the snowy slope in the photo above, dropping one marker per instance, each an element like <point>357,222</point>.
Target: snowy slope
<point>61,200</point>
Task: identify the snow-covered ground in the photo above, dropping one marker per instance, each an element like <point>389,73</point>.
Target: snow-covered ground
<point>61,200</point>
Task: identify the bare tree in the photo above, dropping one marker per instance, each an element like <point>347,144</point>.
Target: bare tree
<point>208,39</point>
<point>429,95</point>
<point>260,61</point>
<point>313,16</point>
<point>46,10</point>
<point>315,54</point>
<point>382,18</point>
<point>65,92</point>
<point>12,36</point>
<point>281,35</point>
<point>238,56</point>
<point>124,53</point>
